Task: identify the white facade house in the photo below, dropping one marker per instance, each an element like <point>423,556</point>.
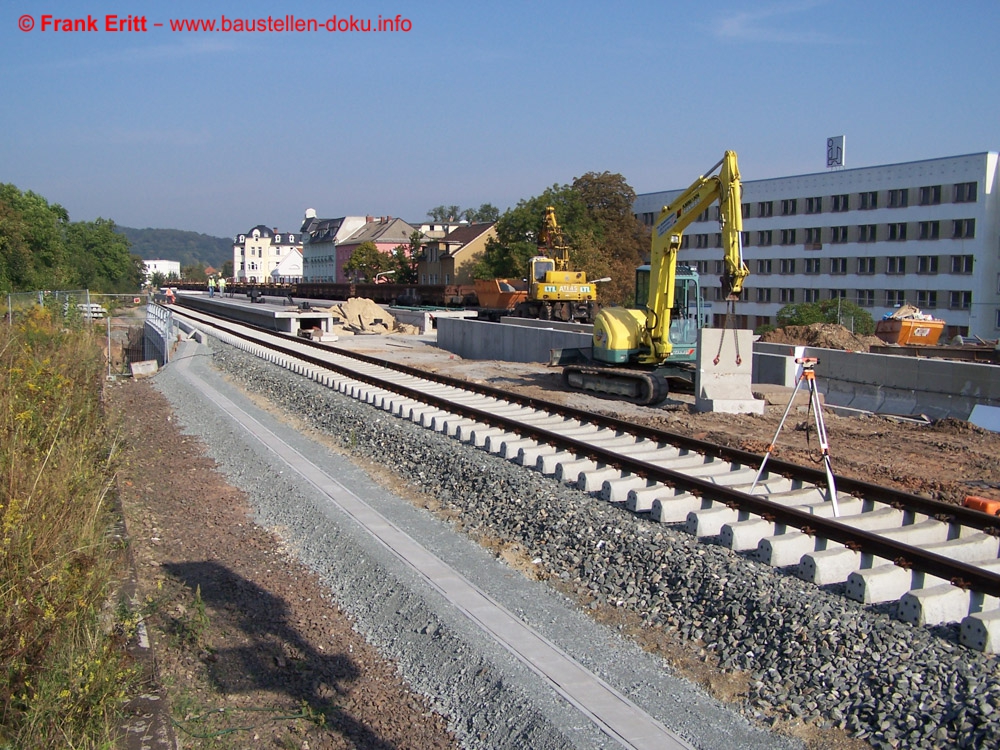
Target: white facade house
<point>259,253</point>
<point>925,233</point>
<point>169,268</point>
<point>322,236</point>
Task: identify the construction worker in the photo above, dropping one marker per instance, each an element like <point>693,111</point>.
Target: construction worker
<point>222,285</point>
<point>211,286</point>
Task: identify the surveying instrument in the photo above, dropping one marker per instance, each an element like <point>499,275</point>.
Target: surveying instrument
<point>809,376</point>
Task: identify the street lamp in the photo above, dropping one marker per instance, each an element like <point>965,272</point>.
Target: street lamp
<point>380,274</point>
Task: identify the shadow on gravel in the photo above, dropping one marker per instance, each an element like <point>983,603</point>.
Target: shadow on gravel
<point>265,653</point>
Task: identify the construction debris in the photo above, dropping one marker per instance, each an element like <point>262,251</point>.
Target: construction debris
<point>823,335</point>
<point>360,315</point>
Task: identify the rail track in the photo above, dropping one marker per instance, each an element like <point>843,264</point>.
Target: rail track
<point>939,561</point>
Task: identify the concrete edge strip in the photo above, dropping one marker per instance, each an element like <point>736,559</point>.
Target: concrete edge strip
<point>612,712</point>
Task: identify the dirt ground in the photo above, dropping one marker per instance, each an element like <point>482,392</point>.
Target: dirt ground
<point>251,653</point>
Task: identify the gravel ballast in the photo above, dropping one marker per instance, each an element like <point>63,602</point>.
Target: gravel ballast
<point>809,653</point>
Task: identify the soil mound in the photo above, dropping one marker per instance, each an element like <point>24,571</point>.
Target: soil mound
<point>823,335</point>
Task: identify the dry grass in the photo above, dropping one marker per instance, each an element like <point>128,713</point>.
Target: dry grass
<point>63,676</point>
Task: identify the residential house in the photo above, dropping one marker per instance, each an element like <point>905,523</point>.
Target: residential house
<point>321,236</point>
<point>265,255</point>
<point>450,259</point>
<point>385,232</point>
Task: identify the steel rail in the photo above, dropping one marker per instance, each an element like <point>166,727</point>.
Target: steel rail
<point>960,574</point>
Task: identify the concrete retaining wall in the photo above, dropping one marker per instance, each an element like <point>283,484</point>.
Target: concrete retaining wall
<point>886,383</point>
<point>475,339</point>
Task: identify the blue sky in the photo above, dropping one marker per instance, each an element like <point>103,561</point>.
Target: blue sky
<point>477,103</point>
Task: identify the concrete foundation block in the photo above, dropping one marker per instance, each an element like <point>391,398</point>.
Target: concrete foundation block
<point>569,470</point>
<point>725,385</point>
<point>934,606</point>
<point>529,455</point>
<point>785,549</point>
<point>549,463</point>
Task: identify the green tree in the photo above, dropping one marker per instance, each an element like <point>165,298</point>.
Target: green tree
<point>227,269</point>
<point>194,272</point>
<point>839,310</point>
<point>32,244</point>
<point>595,215</point>
<point>445,213</point>
<point>403,263</point>
<point>365,262</point>
<point>485,213</point>
<point>100,258</point>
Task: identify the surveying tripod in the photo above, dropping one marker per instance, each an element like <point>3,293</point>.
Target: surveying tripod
<point>809,376</point>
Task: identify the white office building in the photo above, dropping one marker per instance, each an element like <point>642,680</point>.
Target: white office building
<point>925,233</point>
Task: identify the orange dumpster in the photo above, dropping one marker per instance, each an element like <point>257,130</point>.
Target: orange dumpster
<point>908,332</point>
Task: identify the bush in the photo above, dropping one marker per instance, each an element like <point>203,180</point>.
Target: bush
<point>63,678</point>
<point>840,311</point>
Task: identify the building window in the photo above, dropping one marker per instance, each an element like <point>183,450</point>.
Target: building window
<point>930,230</point>
<point>718,267</point>
<point>998,318</point>
<point>838,265</point>
<point>866,233</point>
<point>701,241</point>
<point>789,207</point>
<point>960,300</point>
<point>814,237</point>
<point>927,300</point>
<point>786,265</point>
<point>869,200</point>
<point>961,264</point>
<point>866,297</point>
<point>927,264</point>
<point>812,265</point>
<point>841,203</point>
<point>745,210</point>
<point>787,236</point>
<point>895,265</point>
<point>965,192</point>
<point>764,238</point>
<point>899,198</point>
<point>930,195</point>
<point>838,235</point>
<point>866,265</point>
<point>814,205</point>
<point>685,242</point>
<point>764,266</point>
<point>963,228</point>
<point>897,232</point>
<point>765,209</point>
<point>718,239</point>
<point>810,295</point>
<point>786,296</point>
<point>763,295</point>
<point>838,294</point>
<point>894,298</point>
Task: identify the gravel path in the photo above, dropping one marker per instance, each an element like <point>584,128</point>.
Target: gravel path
<point>808,653</point>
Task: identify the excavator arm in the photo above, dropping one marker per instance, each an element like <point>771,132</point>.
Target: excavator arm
<point>668,231</point>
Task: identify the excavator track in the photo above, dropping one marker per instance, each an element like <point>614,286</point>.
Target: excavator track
<point>636,386</point>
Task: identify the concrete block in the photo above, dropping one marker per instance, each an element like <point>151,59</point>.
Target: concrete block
<point>725,386</point>
<point>744,535</point>
<point>709,522</point>
<point>833,565</point>
<point>593,480</point>
<point>675,508</point>
<point>934,606</point>
<point>981,631</point>
<point>881,584</point>
<point>550,464</point>
<point>640,499</point>
<point>569,470</point>
<point>617,490</point>
<point>144,369</point>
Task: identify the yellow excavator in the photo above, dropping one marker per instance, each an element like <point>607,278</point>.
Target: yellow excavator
<point>555,291</point>
<point>659,339</point>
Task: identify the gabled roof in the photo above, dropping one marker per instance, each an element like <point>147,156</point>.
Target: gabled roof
<point>466,234</point>
<point>385,231</point>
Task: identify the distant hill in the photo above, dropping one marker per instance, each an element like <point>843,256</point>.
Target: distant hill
<point>190,248</point>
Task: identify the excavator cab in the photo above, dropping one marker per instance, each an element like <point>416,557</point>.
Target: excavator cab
<point>687,314</point>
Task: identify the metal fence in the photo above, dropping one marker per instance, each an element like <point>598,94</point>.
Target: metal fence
<point>136,329</point>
